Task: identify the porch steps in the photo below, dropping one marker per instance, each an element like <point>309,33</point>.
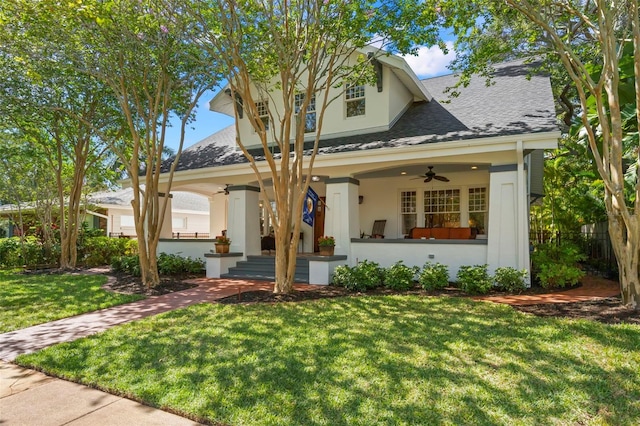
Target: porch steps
<point>264,268</point>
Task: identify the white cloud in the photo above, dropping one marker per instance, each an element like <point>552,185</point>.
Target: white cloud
<point>431,61</point>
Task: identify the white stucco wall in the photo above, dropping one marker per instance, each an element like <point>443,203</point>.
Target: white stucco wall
<point>382,198</point>
<point>418,252</point>
<point>192,248</point>
<point>381,108</point>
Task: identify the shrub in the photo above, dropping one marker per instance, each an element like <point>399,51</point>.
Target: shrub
<point>168,264</point>
<point>474,279</point>
<point>128,264</point>
<point>556,275</point>
<point>172,264</point>
<point>510,279</point>
<point>556,265</point>
<point>16,254</point>
<point>97,251</point>
<point>400,276</point>
<point>434,276</point>
<point>363,276</point>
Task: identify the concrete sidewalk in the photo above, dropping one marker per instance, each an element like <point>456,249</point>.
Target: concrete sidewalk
<point>31,398</point>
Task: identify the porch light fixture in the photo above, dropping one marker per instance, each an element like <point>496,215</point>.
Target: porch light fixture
<point>474,167</point>
<point>403,173</point>
<point>315,178</point>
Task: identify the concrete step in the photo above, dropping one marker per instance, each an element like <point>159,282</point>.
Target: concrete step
<point>263,268</point>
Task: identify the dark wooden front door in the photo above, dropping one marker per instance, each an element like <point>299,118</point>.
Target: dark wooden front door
<point>318,224</point>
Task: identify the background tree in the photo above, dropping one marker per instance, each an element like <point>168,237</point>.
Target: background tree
<point>607,28</point>
<point>46,102</point>
<point>142,51</point>
<point>294,53</point>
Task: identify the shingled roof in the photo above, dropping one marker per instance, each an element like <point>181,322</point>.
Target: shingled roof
<point>515,103</point>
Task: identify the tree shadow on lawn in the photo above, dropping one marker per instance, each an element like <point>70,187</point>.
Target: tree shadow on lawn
<point>367,360</point>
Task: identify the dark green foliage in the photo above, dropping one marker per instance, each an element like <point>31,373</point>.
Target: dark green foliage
<point>510,279</point>
<point>400,276</point>
<point>172,264</point>
<point>97,251</point>
<point>363,276</point>
<point>29,253</point>
<point>168,264</point>
<point>128,264</point>
<point>474,279</point>
<point>434,276</point>
<point>556,265</point>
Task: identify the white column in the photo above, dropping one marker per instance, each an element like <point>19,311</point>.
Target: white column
<point>341,219</point>
<point>217,214</point>
<point>166,229</point>
<point>507,244</point>
<point>243,224</point>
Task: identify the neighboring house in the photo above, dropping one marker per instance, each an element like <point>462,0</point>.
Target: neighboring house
<point>378,145</point>
<point>111,211</point>
<point>189,216</point>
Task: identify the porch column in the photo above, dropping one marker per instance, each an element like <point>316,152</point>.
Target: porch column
<point>507,243</point>
<point>341,219</point>
<point>217,214</point>
<point>166,229</point>
<point>243,224</point>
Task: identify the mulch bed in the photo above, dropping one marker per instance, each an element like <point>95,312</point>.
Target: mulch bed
<point>609,310</point>
<point>125,283</point>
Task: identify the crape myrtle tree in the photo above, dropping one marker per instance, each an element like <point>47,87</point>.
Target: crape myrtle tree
<point>609,31</point>
<point>45,102</point>
<point>299,56</point>
<point>143,52</point>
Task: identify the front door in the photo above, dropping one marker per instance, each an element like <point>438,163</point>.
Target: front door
<point>318,224</point>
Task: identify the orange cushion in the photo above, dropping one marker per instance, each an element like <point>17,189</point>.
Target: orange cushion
<point>440,233</point>
<point>460,233</point>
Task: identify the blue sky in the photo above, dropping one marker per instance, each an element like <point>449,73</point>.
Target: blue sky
<point>429,62</point>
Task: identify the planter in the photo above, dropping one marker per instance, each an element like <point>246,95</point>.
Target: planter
<point>222,248</point>
<point>326,250</point>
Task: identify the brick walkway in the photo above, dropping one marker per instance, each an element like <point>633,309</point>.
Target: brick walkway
<point>592,288</point>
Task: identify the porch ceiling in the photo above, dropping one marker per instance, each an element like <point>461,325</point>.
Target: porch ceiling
<point>413,170</point>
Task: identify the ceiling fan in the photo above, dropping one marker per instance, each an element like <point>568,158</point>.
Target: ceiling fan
<point>224,191</point>
<point>432,175</point>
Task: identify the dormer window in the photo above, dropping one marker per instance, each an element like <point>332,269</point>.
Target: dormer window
<point>263,112</point>
<point>354,98</point>
<point>310,116</point>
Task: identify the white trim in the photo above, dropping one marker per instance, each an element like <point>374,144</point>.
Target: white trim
<point>546,140</point>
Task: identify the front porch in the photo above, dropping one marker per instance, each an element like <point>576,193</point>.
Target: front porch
<point>490,200</point>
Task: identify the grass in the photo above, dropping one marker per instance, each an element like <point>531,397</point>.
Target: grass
<point>27,300</point>
<point>401,360</point>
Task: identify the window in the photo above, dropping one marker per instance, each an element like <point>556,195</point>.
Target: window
<point>127,222</point>
<point>354,97</point>
<point>478,209</point>
<point>179,223</point>
<point>310,116</point>
<point>408,210</point>
<point>263,112</point>
<point>442,208</point>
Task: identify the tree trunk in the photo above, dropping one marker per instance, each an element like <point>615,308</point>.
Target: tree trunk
<point>284,279</point>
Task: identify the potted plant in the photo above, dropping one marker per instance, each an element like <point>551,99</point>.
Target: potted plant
<point>222,244</point>
<point>326,245</point>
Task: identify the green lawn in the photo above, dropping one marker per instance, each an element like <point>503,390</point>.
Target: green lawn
<point>364,361</point>
<point>26,300</point>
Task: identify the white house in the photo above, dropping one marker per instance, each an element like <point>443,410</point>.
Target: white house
<point>380,144</point>
<point>189,216</point>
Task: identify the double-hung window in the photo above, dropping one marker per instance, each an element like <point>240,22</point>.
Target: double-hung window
<point>478,209</point>
<point>355,101</point>
<point>310,116</point>
<point>442,208</point>
<point>263,112</point>
<point>408,210</point>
